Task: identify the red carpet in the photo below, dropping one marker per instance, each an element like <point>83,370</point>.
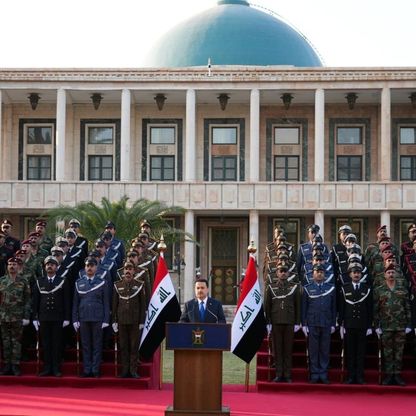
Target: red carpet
<point>49,401</point>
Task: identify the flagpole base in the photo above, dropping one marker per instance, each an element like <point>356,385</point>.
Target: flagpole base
<point>225,411</point>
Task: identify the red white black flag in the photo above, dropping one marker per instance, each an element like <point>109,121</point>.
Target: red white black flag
<point>163,307</point>
<point>249,325</point>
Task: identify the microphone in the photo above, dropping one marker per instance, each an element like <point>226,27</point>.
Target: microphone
<point>213,314</point>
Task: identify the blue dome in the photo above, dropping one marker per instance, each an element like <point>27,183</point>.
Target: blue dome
<point>232,33</point>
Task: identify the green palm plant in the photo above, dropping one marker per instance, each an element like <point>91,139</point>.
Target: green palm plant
<point>127,218</point>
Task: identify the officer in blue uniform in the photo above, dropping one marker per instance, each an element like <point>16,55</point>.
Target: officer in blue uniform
<point>116,244</point>
<point>318,323</point>
<point>91,314</point>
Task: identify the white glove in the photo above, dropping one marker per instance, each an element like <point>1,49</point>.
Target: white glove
<point>332,329</point>
<point>296,328</point>
<point>305,330</point>
<point>369,332</point>
<point>65,323</point>
<point>379,332</point>
<point>115,326</point>
<point>141,326</point>
<point>342,332</point>
<point>269,328</point>
<point>76,326</point>
<point>36,324</point>
<point>408,330</point>
<point>25,322</point>
<point>104,325</point>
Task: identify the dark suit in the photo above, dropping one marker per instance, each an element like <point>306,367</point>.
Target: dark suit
<point>213,313</point>
<point>51,306</point>
<point>356,315</point>
<point>91,309</point>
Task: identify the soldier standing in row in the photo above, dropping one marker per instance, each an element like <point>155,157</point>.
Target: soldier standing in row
<point>129,307</point>
<point>90,315</point>
<point>51,314</point>
<point>282,308</point>
<point>318,323</point>
<point>392,321</point>
<point>12,243</point>
<point>355,320</point>
<point>14,314</point>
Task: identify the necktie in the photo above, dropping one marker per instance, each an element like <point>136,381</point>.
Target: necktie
<point>202,311</point>
<point>356,286</point>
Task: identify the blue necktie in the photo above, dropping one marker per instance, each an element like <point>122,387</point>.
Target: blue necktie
<point>202,311</point>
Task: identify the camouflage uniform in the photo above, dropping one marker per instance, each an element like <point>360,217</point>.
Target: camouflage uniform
<point>45,244</point>
<point>392,315</point>
<point>14,307</point>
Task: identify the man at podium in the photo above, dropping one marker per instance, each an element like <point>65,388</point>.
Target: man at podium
<point>203,308</point>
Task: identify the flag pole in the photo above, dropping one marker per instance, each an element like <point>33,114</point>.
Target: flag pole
<point>162,248</point>
<point>247,376</point>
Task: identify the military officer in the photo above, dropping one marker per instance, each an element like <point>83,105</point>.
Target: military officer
<point>51,313</point>
<point>282,308</point>
<point>45,242</point>
<point>5,254</point>
<point>116,244</point>
<point>80,241</point>
<point>12,243</point>
<point>318,323</point>
<point>355,320</point>
<point>339,254</point>
<point>14,314</point>
<point>392,321</point>
<point>90,315</point>
<point>129,307</point>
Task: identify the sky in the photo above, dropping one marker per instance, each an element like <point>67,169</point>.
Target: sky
<point>119,33</point>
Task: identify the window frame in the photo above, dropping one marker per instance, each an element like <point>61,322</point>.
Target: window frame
<point>286,127</point>
<point>224,127</point>
<point>38,168</point>
<point>163,127</point>
<point>162,157</point>
<point>412,167</point>
<point>89,157</point>
<point>413,127</point>
<point>224,169</point>
<point>97,126</point>
<point>286,168</point>
<point>360,129</point>
<point>349,158</point>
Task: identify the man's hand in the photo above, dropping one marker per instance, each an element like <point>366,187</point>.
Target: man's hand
<point>342,331</point>
<point>269,328</point>
<point>65,323</point>
<point>305,330</point>
<point>115,326</point>
<point>369,332</point>
<point>332,329</point>
<point>296,328</point>
<point>408,330</point>
<point>104,325</point>
<point>36,324</point>
<point>25,322</point>
<point>76,326</point>
<point>379,332</point>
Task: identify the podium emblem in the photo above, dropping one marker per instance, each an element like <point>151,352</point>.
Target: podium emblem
<point>198,337</point>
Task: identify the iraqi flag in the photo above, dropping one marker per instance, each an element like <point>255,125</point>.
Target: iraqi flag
<point>163,307</point>
<point>249,325</point>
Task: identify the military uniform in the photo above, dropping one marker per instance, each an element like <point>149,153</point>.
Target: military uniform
<point>356,316</point>
<point>282,308</point>
<point>392,316</point>
<point>51,307</point>
<point>318,316</point>
<point>91,309</point>
<point>129,307</point>
<point>14,308</point>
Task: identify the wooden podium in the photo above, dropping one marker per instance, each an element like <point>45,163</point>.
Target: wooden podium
<point>197,367</point>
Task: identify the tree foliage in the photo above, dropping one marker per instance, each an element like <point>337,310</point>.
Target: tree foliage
<point>125,216</point>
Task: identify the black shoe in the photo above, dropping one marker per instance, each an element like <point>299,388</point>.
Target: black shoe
<point>96,375</point>
<point>313,381</point>
<point>16,370</point>
<point>388,380</point>
<point>360,381</point>
<point>85,375</point>
<point>349,380</point>
<point>134,375</point>
<point>325,380</point>
<point>124,375</point>
<point>57,374</point>
<point>44,373</point>
<point>399,381</point>
<point>288,380</point>
<point>278,379</point>
<point>7,370</point>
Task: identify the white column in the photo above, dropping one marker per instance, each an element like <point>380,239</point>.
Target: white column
<point>319,135</point>
<point>60,135</point>
<point>189,273</point>
<point>320,220</point>
<point>385,220</point>
<point>254,135</point>
<point>2,152</point>
<point>190,146</point>
<point>254,228</point>
<point>125,141</point>
<point>385,154</point>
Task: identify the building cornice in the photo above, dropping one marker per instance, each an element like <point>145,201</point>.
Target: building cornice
<point>218,74</point>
